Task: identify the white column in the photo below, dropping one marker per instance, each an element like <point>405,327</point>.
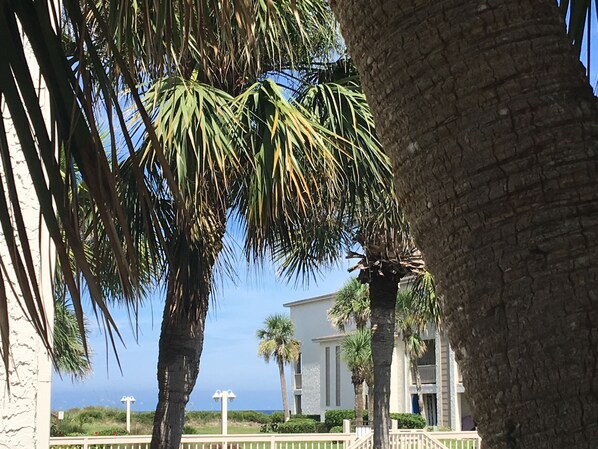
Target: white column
<point>224,413</point>
<point>454,400</point>
<point>25,409</point>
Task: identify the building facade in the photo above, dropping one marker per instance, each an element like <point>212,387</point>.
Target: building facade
<point>322,381</point>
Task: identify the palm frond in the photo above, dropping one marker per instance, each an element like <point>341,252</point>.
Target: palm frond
<point>356,350</point>
<point>292,166</point>
<point>228,42</point>
<point>70,356</point>
<point>351,304</point>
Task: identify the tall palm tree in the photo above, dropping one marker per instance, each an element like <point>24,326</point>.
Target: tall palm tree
<point>351,304</point>
<point>256,157</point>
<point>375,224</point>
<point>357,353</point>
<point>238,149</point>
<point>490,123</point>
<point>277,342</point>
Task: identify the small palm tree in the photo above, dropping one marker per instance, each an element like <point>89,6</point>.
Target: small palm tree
<point>277,342</point>
<point>357,353</point>
<point>416,307</point>
<point>351,304</point>
<point>70,355</point>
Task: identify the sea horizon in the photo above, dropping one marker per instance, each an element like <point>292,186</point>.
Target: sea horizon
<point>146,399</point>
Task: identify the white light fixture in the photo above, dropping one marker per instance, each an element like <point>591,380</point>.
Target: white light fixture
<point>128,400</point>
<point>224,396</point>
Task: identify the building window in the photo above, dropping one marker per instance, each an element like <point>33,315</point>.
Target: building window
<point>298,380</point>
<point>429,357</point>
<point>298,409</point>
<point>327,375</point>
<point>337,372</point>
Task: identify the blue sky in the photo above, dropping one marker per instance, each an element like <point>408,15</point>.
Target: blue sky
<point>228,361</point>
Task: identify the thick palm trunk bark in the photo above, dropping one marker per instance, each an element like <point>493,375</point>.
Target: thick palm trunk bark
<point>359,405</point>
<point>383,297</point>
<point>182,334</point>
<point>181,343</point>
<point>283,390</point>
<point>370,404</point>
<point>493,133</point>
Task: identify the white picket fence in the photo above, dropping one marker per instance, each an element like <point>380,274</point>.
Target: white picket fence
<point>247,441</point>
<point>399,439</point>
<point>420,439</point>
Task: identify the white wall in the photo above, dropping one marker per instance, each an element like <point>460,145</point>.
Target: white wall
<point>25,410</point>
<point>311,323</point>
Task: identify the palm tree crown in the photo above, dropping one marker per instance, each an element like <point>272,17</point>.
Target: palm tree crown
<point>351,304</point>
<point>277,340</point>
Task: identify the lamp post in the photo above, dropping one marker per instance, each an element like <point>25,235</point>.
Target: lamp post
<point>128,400</point>
<point>224,396</point>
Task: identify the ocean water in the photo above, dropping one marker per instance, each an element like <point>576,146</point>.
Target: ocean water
<point>146,399</point>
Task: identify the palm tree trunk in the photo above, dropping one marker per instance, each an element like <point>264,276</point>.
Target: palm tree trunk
<point>418,387</point>
<point>181,341</point>
<point>283,389</point>
<point>493,132</point>
<point>383,297</point>
<point>358,390</point>
<point>370,403</point>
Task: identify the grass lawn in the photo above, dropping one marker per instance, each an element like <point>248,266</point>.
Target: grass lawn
<point>106,421</point>
<point>233,428</point>
<point>459,444</point>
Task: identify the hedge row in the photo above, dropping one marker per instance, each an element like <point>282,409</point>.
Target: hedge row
<point>409,420</point>
<point>334,418</point>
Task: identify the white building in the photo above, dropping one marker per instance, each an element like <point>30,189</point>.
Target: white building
<point>322,381</point>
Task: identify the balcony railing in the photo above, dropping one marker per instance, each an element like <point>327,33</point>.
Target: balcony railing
<point>298,382</point>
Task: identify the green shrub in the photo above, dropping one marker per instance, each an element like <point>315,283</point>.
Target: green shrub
<point>321,427</point>
<point>203,416</point>
<point>297,426</point>
<point>189,430</point>
<point>67,427</point>
<point>143,417</point>
<point>277,417</point>
<point>336,429</point>
<point>409,420</point>
<point>249,416</point>
<point>89,414</point>
<point>112,431</point>
<point>316,418</point>
<point>271,427</point>
<point>335,417</point>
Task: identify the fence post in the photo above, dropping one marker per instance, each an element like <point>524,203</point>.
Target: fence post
<point>272,442</point>
<point>394,424</point>
<point>346,426</point>
<point>85,444</point>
